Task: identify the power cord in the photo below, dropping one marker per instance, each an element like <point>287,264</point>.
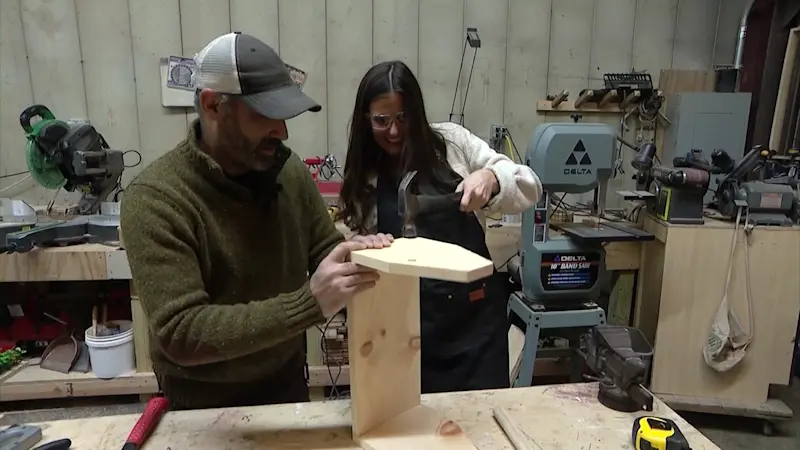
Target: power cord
<point>118,190</point>
<point>323,343</point>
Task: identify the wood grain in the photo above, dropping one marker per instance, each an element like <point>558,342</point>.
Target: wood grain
<point>687,300</point>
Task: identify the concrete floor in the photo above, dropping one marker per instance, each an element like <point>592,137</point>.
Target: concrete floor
<point>729,433</point>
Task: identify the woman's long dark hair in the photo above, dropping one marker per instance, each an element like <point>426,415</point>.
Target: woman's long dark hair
<point>423,150</point>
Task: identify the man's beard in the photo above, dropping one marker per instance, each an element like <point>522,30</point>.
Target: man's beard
<point>249,155</point>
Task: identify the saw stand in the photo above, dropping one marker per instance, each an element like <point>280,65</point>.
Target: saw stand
<point>537,317</point>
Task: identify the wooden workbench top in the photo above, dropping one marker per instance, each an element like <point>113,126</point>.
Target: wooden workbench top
<point>100,262</point>
<point>554,417</point>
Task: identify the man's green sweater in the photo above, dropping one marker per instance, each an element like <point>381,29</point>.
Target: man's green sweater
<point>222,269</point>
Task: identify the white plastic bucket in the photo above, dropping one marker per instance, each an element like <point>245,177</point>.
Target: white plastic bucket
<point>112,356</point>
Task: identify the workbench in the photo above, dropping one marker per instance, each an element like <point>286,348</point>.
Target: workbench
<point>681,285</point>
<point>554,417</point>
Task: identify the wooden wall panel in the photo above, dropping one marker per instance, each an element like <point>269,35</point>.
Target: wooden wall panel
<point>349,56</point>
<point>395,31</point>
<point>303,45</point>
<point>99,60</point>
<point>16,94</point>
<point>612,39</point>
<point>109,73</point>
<point>486,95</point>
<point>156,33</point>
<point>695,31</point>
<point>442,32</point>
<point>201,22</point>
<point>654,35</point>
<point>570,45</point>
<point>257,18</point>
<point>527,64</point>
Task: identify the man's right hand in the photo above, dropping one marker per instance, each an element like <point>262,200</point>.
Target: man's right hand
<point>337,279</point>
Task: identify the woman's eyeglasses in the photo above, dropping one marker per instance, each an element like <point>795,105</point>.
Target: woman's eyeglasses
<point>384,121</point>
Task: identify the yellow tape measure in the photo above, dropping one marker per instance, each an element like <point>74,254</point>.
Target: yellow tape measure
<point>657,433</point>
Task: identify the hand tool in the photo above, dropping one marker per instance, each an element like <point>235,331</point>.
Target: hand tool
<point>658,433</point>
<point>24,437</point>
<point>20,437</point>
<point>620,356</point>
<point>61,444</point>
<point>411,205</point>
<point>155,409</point>
<point>512,429</point>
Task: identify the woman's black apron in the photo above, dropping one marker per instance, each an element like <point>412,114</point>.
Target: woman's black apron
<point>464,327</point>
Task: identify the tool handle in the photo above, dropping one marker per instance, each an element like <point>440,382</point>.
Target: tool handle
<point>428,203</point>
<point>61,444</point>
<point>512,429</point>
<point>153,412</point>
<point>641,396</point>
<point>30,112</point>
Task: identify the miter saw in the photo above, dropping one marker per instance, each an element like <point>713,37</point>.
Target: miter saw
<point>562,276</point>
<point>75,157</point>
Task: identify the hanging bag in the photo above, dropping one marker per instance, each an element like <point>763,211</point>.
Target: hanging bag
<point>727,341</point>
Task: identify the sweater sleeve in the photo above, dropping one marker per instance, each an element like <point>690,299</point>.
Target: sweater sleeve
<point>520,187</point>
<point>160,243</point>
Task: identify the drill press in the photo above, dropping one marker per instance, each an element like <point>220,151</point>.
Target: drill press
<point>562,275</point>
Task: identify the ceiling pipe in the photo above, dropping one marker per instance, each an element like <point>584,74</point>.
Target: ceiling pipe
<point>737,62</point>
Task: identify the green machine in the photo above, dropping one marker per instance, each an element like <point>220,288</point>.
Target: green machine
<point>562,275</point>
<point>76,158</point>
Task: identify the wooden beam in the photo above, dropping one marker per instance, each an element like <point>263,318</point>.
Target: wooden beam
<point>776,138</point>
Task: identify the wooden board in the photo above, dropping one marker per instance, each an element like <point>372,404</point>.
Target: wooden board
<point>688,298</point>
<point>34,383</point>
<point>71,263</point>
<point>776,138</point>
<point>552,416</point>
<point>420,257</point>
<point>31,382</point>
<point>384,344</point>
<point>771,409</point>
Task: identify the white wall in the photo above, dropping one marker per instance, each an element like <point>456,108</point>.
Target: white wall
<point>99,59</point>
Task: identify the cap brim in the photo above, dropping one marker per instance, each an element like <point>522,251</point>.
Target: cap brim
<point>281,104</point>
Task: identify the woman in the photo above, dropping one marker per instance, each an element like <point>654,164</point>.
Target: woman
<point>464,327</point>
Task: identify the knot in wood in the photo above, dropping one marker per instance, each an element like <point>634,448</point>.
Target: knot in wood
<point>448,428</point>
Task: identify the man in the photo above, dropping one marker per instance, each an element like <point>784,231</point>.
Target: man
<point>222,232</point>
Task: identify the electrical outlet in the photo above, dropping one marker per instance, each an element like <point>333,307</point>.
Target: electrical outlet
<point>496,134</point>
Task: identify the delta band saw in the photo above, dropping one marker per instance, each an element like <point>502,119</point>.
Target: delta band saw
<point>73,157</point>
<point>562,275</point>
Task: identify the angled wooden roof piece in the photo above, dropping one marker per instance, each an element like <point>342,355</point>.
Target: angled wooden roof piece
<point>426,258</point>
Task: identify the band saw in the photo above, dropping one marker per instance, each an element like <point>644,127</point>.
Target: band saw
<point>563,274</point>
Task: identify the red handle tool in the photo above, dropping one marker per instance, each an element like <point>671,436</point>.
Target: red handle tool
<point>153,412</point>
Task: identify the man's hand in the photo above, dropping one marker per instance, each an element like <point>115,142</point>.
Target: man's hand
<point>379,240</point>
<point>337,279</point>
<point>478,189</point>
